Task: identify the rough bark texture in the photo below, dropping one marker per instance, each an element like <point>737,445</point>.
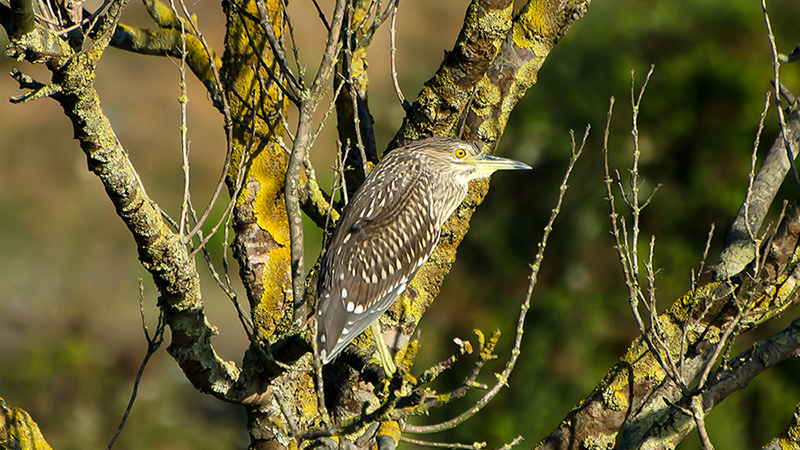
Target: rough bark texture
<point>18,430</point>
<point>261,243</point>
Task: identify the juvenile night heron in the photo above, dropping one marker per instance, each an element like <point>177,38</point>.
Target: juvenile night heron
<point>389,229</point>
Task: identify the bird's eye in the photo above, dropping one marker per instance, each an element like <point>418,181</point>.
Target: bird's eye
<point>460,153</point>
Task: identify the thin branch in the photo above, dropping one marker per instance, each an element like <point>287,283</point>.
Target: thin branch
<point>22,12</point>
<point>153,344</point>
<point>331,108</point>
<point>752,174</point>
<point>287,415</point>
<point>737,375</point>
<point>776,83</point>
<point>393,57</point>
<point>720,345</point>
<point>295,82</point>
<point>463,348</point>
<point>380,18</point>
<point>287,20</point>
<point>321,16</point>
<point>421,443</point>
<point>184,129</point>
<point>244,161</point>
<point>226,110</point>
<point>516,441</point>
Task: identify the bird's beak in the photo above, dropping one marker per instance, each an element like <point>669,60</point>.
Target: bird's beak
<point>490,163</point>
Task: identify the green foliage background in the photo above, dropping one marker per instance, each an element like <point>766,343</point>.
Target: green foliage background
<point>70,339</point>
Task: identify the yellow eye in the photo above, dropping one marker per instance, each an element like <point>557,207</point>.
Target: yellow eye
<point>460,153</point>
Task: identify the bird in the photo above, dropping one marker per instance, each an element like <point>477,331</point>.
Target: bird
<point>388,230</point>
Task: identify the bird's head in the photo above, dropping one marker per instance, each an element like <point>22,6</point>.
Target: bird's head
<point>465,161</point>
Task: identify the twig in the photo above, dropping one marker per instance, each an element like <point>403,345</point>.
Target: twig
<point>153,344</point>
<point>244,160</point>
<point>421,443</point>
<point>321,16</point>
<point>331,108</point>
<point>634,201</point>
<point>486,354</point>
<point>722,341</point>
<point>695,279</point>
<point>355,97</point>
<point>296,433</point>
<point>183,100</point>
<point>752,175</point>
<point>380,17</point>
<point>464,348</point>
<point>698,414</point>
<point>513,443</point>
<point>287,19</point>
<point>628,249</point>
<point>295,83</point>
<point>776,82</point>
<point>226,111</point>
<point>393,59</point>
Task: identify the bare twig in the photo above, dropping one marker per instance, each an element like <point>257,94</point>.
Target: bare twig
<point>740,244</point>
<point>183,100</point>
<point>287,20</point>
<point>752,175</point>
<point>278,395</point>
<point>464,348</point>
<point>331,108</point>
<point>778,103</point>
<point>321,16</point>
<point>380,18</point>
<point>393,57</point>
<point>701,384</point>
<point>421,443</point>
<point>244,161</point>
<point>514,442</point>
<point>226,111</point>
<point>295,82</point>
<point>153,344</point>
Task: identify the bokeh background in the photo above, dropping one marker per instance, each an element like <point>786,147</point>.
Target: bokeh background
<point>70,330</point>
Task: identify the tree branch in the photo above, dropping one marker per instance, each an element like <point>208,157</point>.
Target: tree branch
<point>790,437</point>
<point>18,430</point>
<point>444,97</point>
<point>23,23</point>
<point>738,373</point>
<point>633,392</point>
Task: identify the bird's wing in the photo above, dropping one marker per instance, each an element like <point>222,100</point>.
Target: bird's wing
<point>383,238</point>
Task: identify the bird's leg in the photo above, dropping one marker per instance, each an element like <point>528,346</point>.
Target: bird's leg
<point>383,351</point>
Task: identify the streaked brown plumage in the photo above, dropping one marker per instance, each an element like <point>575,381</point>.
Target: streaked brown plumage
<point>389,229</point>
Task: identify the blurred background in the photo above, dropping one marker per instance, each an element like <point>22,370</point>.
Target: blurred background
<point>70,331</point>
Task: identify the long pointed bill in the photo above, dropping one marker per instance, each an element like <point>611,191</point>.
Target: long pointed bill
<point>487,164</point>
